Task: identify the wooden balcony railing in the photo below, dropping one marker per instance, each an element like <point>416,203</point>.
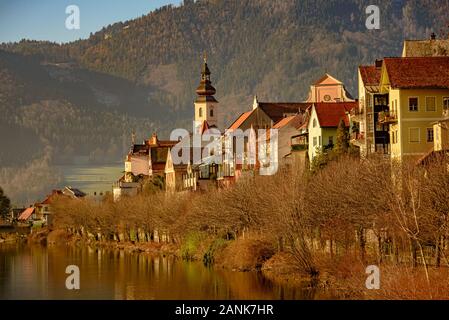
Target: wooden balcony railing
<point>388,117</point>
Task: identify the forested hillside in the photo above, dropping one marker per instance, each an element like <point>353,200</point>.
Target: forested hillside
<point>84,98</point>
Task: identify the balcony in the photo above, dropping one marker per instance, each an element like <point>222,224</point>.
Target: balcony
<point>358,139</point>
<point>388,117</point>
<point>299,147</point>
<point>357,114</point>
<point>446,113</point>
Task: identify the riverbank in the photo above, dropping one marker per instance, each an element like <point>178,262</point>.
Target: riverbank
<point>240,255</point>
<point>13,234</point>
<point>342,277</point>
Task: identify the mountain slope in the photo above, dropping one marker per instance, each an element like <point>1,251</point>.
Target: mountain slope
<point>272,48</point>
<point>83,99</point>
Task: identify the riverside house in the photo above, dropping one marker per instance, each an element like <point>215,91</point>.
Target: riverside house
<point>41,213</point>
<point>418,90</point>
<point>377,123</point>
<point>323,123</point>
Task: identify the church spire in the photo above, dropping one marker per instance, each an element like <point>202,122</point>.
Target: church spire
<point>205,90</point>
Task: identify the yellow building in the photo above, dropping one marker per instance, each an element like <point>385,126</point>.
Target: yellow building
<point>418,93</point>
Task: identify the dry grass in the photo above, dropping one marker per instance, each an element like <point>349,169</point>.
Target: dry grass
<point>245,254</point>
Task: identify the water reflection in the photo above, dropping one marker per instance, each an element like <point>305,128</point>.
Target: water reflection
<point>35,272</point>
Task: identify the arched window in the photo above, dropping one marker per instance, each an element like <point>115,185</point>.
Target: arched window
<point>314,123</point>
<point>200,112</point>
<point>211,112</point>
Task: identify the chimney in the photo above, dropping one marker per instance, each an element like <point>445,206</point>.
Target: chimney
<point>379,63</point>
<point>153,139</point>
<point>433,36</point>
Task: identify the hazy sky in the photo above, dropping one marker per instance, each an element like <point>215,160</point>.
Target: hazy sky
<point>45,19</point>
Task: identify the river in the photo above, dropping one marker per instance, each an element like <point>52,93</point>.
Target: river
<point>38,272</point>
<point>91,178</point>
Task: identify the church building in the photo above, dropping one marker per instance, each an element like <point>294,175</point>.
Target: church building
<point>205,104</point>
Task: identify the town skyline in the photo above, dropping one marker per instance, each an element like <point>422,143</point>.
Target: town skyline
<point>226,150</point>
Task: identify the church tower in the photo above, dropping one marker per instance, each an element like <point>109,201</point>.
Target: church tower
<point>205,103</point>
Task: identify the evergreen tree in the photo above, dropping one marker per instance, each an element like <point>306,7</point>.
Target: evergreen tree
<point>319,161</point>
<point>5,203</point>
<point>342,141</point>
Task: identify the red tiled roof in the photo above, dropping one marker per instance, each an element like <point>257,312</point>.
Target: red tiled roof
<point>296,121</point>
<point>282,123</point>
<point>330,114</point>
<point>237,123</point>
<point>419,72</point>
<point>50,197</point>
<point>277,110</point>
<point>26,214</point>
<point>370,75</point>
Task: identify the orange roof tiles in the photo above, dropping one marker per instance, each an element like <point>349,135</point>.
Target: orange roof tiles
<point>282,123</point>
<point>237,123</point>
<point>26,214</point>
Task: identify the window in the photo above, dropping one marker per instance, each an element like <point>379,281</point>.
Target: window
<point>429,134</point>
<point>446,103</point>
<point>200,112</point>
<point>211,112</point>
<point>413,104</point>
<point>315,141</point>
<point>331,140</point>
<point>314,123</point>
<point>431,103</point>
<point>414,135</point>
<point>319,140</point>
